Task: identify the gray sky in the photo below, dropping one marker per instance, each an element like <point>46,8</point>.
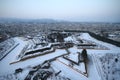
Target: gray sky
<point>72,10</point>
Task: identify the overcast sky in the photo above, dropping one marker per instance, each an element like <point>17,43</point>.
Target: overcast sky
<point>72,10</point>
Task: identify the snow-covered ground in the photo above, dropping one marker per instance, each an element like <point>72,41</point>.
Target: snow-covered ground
<point>72,57</point>
<point>6,68</point>
<point>108,65</point>
<point>6,47</point>
<point>73,72</point>
<point>112,48</point>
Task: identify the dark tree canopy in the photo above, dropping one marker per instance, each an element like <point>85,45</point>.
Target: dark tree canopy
<point>84,54</point>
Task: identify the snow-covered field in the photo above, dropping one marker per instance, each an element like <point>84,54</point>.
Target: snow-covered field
<point>103,64</point>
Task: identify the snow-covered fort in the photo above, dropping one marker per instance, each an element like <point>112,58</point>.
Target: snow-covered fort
<point>59,56</point>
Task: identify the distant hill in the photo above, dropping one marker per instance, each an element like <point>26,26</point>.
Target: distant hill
<point>29,20</point>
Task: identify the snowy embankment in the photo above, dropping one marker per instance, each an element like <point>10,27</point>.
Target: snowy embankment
<point>106,62</point>
<point>6,47</point>
<point>4,63</point>
<point>72,72</point>
<point>112,48</point>
<point>6,68</point>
